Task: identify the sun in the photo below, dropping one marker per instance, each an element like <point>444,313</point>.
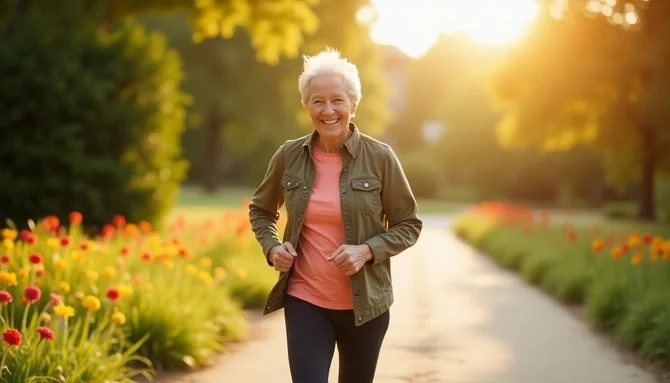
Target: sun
<point>415,28</point>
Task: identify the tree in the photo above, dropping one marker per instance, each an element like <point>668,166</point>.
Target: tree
<point>276,26</point>
<point>243,109</point>
<point>591,74</point>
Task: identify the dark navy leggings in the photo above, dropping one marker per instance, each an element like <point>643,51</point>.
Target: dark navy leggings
<point>312,333</point>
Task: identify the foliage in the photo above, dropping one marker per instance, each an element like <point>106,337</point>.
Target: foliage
<point>583,79</point>
<point>244,109</point>
<point>120,287</point>
<point>423,175</point>
<point>91,122</point>
<point>617,271</point>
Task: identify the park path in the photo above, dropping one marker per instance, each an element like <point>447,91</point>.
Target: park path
<point>457,318</point>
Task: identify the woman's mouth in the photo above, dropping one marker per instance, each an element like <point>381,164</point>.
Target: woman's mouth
<point>330,122</point>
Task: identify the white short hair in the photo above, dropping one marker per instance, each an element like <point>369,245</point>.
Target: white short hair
<point>329,61</point>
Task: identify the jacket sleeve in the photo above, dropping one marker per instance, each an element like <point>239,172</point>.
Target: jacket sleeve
<point>265,204</point>
<point>400,209</point>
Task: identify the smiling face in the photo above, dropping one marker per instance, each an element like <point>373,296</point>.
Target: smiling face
<point>330,108</point>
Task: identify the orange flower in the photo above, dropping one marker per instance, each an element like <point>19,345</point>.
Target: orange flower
<point>65,241</point>
<point>634,240</point>
<point>636,259</point>
<point>119,220</point>
<point>617,252</point>
<point>12,337</point>
<point>76,217</point>
<point>597,245</point>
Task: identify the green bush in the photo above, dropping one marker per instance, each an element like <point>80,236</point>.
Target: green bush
<point>641,317</point>
<point>91,120</point>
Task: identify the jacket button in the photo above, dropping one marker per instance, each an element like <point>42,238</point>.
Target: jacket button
<point>288,183</point>
<point>304,188</point>
<point>360,319</point>
<point>366,184</point>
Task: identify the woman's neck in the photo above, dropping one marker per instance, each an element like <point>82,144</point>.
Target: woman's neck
<point>331,146</point>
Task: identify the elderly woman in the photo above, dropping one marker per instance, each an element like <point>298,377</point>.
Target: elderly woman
<point>349,210</point>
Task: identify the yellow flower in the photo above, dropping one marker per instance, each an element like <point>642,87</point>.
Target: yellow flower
<point>8,244</point>
<point>154,241</point>
<point>64,287</point>
<point>206,262</point>
<point>148,287</point>
<point>169,263</point>
<point>124,290</point>
<point>191,270</point>
<point>171,250</point>
<point>92,276</point>
<point>109,272</point>
<point>8,278</point>
<point>23,273</point>
<point>241,273</point>
<point>64,311</point>
<point>205,277</point>
<point>9,234</point>
<point>60,264</point>
<point>79,295</point>
<point>53,243</point>
<point>220,272</point>
<point>77,255</point>
<point>92,303</point>
<point>45,317</point>
<point>118,318</point>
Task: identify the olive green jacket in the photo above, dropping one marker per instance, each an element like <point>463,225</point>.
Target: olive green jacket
<point>378,208</point>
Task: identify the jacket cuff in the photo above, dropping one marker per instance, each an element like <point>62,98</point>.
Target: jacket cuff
<point>378,248</point>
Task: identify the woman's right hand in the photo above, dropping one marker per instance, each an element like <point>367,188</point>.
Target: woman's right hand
<point>282,256</point>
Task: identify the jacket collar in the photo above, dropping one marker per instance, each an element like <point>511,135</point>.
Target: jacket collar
<point>351,143</point>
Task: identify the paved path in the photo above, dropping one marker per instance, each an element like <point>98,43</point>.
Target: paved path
<point>457,318</point>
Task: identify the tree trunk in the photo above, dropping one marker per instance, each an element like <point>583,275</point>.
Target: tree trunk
<point>647,209</point>
<point>212,153</point>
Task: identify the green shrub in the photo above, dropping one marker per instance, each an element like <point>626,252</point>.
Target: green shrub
<point>91,120</point>
<point>640,318</point>
<point>606,303</point>
<point>656,343</point>
<point>535,268</point>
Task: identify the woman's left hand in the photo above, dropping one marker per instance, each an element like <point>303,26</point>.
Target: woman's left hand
<point>351,258</point>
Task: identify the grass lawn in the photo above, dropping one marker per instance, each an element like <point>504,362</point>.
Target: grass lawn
<point>196,204</point>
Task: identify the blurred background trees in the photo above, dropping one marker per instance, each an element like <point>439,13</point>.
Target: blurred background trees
<point>115,106</point>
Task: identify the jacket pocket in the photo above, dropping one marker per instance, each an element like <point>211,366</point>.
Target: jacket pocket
<point>366,195</point>
<point>290,185</point>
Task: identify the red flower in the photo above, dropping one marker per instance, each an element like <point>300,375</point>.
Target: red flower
<point>108,231</point>
<point>12,337</point>
<point>146,257</point>
<point>65,241</point>
<point>45,333</point>
<point>572,236</point>
<point>32,294</point>
<point>35,258</point>
<point>4,259</point>
<point>113,294</point>
<point>83,245</point>
<point>183,253</point>
<point>647,238</point>
<point>55,299</point>
<point>119,220</point>
<point>51,223</point>
<point>28,237</point>
<point>5,297</point>
<point>125,251</point>
<point>76,217</point>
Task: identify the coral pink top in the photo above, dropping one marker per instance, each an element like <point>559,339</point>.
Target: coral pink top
<point>314,278</point>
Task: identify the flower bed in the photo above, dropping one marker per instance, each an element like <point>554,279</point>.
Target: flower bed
<point>619,274</point>
<point>127,302</point>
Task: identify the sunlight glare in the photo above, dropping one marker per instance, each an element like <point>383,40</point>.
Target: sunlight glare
<point>415,28</point>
